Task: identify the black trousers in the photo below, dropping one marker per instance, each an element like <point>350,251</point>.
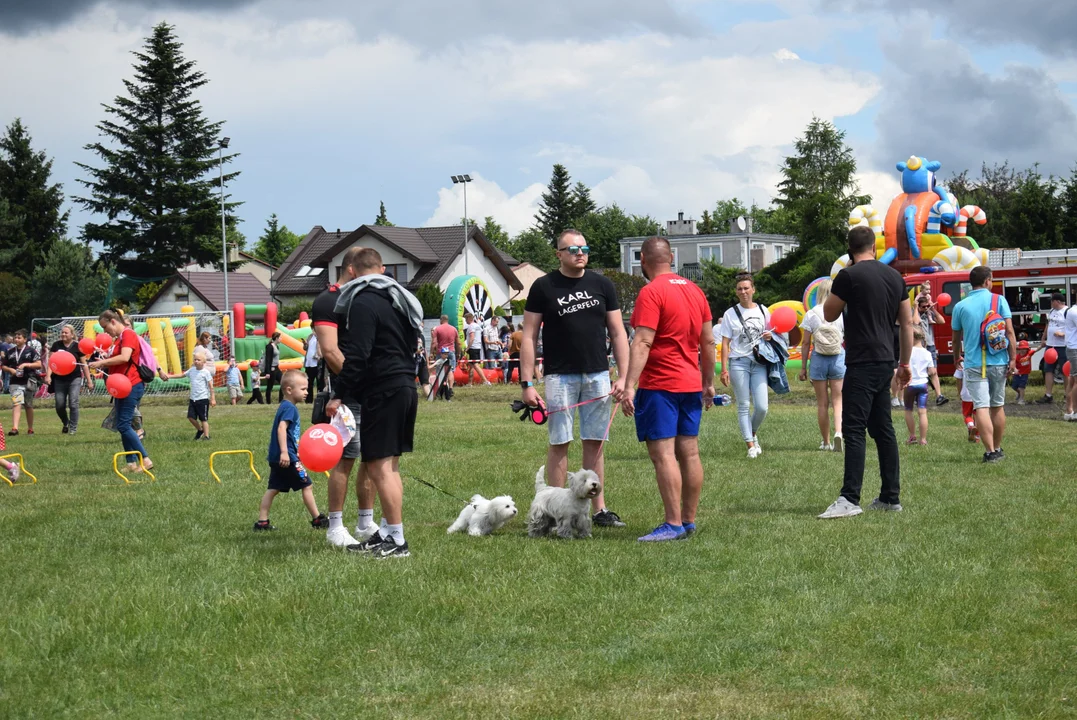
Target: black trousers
<point>865,400</point>
<point>274,379</point>
<point>312,383</point>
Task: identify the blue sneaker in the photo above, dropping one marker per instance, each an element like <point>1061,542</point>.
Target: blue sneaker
<point>664,532</point>
<point>689,528</point>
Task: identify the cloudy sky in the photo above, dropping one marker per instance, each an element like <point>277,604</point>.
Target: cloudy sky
<point>658,105</point>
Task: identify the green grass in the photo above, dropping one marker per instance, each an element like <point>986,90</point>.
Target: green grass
<point>157,600</point>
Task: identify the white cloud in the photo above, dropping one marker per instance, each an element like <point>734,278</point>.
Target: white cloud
<point>485,197</point>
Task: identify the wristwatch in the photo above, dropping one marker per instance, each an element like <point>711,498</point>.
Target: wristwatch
<point>526,383</point>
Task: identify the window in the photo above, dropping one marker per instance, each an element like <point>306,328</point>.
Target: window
<point>711,252</point>
<point>758,246</point>
<point>182,297</point>
<point>957,291</point>
<point>303,271</point>
<point>398,272</point>
<point>778,252</point>
<point>314,272</point>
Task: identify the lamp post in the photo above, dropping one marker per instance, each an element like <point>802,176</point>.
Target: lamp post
<point>224,234</point>
<point>463,180</point>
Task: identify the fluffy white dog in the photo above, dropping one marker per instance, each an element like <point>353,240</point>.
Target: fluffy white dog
<point>567,509</point>
<point>482,516</point>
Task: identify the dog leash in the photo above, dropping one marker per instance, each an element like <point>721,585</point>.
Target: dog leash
<point>435,487</point>
<point>581,404</point>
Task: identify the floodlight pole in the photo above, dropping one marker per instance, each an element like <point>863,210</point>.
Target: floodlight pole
<point>464,180</point>
<point>224,242</point>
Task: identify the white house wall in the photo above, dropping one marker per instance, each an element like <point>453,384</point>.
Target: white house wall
<point>481,267</point>
<point>167,303</point>
<point>389,256</point>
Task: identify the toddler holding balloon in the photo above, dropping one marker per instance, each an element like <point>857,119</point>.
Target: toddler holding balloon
<point>286,473</point>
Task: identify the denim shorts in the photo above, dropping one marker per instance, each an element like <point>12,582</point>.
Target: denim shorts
<point>827,367</point>
<point>987,391</point>
<point>563,391</point>
<point>661,414</point>
<point>1019,382</point>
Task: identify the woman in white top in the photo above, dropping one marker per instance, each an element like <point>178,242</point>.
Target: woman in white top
<point>744,326</point>
<point>824,361</point>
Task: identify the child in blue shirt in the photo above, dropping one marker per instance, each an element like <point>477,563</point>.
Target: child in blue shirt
<point>234,380</point>
<point>286,473</point>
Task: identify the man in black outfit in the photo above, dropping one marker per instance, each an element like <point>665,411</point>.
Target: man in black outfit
<point>872,295</point>
<point>382,326</point>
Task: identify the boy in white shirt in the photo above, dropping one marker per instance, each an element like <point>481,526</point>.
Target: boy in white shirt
<point>922,368</point>
<point>202,396</point>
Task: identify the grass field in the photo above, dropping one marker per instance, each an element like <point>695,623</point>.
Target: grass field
<point>157,600</point>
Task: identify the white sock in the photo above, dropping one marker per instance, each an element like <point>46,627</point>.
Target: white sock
<point>336,520</point>
<point>382,525</point>
<point>366,520</point>
<point>396,532</point>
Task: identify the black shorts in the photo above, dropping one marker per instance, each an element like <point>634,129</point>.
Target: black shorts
<point>198,410</point>
<point>474,354</point>
<point>289,478</point>
<point>388,423</point>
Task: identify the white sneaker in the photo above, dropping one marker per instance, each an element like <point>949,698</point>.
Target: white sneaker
<point>339,537</point>
<point>754,452</point>
<point>878,504</point>
<point>755,439</point>
<point>841,508</point>
<point>13,473</point>
<point>825,446</point>
<point>839,442</point>
<point>894,402</point>
<point>364,535</point>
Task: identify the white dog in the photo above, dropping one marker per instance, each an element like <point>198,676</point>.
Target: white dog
<point>567,509</point>
<point>482,516</point>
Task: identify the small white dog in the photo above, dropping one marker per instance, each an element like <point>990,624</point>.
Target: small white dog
<point>482,516</point>
<point>567,509</point>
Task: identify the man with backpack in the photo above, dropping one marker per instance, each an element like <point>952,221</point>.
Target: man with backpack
<point>989,347</point>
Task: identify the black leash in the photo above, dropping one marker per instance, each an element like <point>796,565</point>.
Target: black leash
<point>435,487</point>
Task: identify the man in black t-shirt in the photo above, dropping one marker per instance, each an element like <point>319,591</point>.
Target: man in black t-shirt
<point>20,364</point>
<point>575,308</point>
<point>872,296</point>
<point>326,322</point>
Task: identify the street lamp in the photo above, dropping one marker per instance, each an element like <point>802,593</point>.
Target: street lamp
<point>463,180</point>
<point>224,229</point>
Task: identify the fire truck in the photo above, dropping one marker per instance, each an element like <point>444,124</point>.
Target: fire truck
<point>1025,278</point>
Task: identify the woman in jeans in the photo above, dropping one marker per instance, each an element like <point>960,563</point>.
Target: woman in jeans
<point>824,362</point>
<point>124,361</point>
<point>66,388</point>
<point>744,326</point>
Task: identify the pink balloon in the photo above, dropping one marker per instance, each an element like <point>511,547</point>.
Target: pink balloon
<point>321,448</point>
<point>943,300</point>
<point>62,362</point>
<point>783,319</point>
<point>118,385</point>
<point>86,346</point>
<point>1050,356</point>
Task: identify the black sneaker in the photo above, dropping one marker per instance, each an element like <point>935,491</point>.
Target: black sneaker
<point>367,545</point>
<point>941,400</point>
<point>320,522</point>
<point>992,457</point>
<point>607,518</point>
<point>1046,400</point>
<point>1001,454</point>
<point>389,549</point>
<point>198,435</point>
<point>263,525</point>
<point>65,430</point>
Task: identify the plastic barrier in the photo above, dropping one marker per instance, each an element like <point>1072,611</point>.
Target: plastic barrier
<point>22,471</point>
<point>141,464</point>
<point>248,453</point>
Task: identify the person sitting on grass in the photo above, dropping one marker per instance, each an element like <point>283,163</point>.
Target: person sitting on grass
<point>922,368</point>
<point>234,379</point>
<point>11,468</point>
<point>286,473</point>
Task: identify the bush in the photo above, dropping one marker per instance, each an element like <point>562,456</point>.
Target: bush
<point>518,306</point>
<point>290,313</point>
<point>430,297</point>
<point>627,286</point>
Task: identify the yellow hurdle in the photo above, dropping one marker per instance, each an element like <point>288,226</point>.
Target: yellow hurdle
<point>22,469</point>
<point>248,453</point>
<point>116,469</point>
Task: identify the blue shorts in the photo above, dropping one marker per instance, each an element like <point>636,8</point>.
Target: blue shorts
<point>661,414</point>
<point>916,395</point>
<point>826,367</point>
<point>1019,382</point>
<point>293,477</point>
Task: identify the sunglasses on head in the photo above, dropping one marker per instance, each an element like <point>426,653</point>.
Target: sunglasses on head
<point>576,249</point>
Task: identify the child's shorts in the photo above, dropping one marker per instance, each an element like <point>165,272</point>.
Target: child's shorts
<point>1019,382</point>
<point>235,392</point>
<point>293,477</point>
<point>21,396</point>
<point>198,410</point>
<point>916,396</point>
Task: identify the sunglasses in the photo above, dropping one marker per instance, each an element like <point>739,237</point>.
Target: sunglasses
<point>576,249</point>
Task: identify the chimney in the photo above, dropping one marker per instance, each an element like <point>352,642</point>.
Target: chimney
<point>749,221</point>
<point>680,217</point>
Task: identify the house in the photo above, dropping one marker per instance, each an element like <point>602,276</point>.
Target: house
<point>739,248</point>
<point>251,265</point>
<point>413,256</point>
<point>528,274</point>
<point>205,291</point>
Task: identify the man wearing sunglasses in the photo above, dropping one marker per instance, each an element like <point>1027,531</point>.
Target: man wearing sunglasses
<point>575,308</point>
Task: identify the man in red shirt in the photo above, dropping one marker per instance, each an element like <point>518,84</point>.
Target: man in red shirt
<point>673,328</point>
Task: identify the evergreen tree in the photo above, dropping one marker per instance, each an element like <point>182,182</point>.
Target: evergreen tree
<point>382,220</point>
<point>557,208</point>
<point>532,246</point>
<point>497,235</point>
<point>705,226</point>
<point>30,219</point>
<point>14,301</point>
<point>276,243</point>
<point>69,282</point>
<point>582,204</point>
<point>157,186</point>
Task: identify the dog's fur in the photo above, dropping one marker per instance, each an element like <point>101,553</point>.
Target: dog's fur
<point>567,509</point>
<point>482,516</point>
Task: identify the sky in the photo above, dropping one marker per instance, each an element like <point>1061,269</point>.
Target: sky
<point>660,106</point>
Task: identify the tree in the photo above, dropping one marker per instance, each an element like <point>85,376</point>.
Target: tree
<point>157,184</point>
<point>381,220</point>
<point>276,243</point>
<point>430,297</point>
<point>582,204</point>
<point>497,235</point>
<point>31,220</point>
<point>532,246</point>
<point>627,287</point>
<point>706,225</point>
<point>558,205</point>
<point>725,211</point>
<point>69,282</point>
<point>605,228</point>
<point>1023,208</point>
<point>14,301</point>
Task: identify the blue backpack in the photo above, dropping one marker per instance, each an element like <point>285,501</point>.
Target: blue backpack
<point>992,334</point>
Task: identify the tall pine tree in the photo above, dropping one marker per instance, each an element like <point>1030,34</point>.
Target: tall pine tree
<point>382,220</point>
<point>582,204</point>
<point>276,243</point>
<point>157,186</point>
<point>30,219</point>
<point>558,205</point>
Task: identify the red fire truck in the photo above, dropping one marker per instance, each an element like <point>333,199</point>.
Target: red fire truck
<point>1025,278</point>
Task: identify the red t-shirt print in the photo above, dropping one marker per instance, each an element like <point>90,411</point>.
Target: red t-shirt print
<point>675,309</point>
<point>127,338</point>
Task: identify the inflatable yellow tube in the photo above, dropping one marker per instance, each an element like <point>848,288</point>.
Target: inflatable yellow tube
<point>157,342</point>
<point>290,342</point>
<point>190,337</point>
<point>171,348</point>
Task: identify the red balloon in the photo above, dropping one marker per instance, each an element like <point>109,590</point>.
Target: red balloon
<point>320,448</point>
<point>86,346</point>
<point>103,340</point>
<point>62,362</point>
<point>1050,356</point>
<point>943,300</point>
<point>783,319</point>
<point>1066,369</point>
<point>118,385</point>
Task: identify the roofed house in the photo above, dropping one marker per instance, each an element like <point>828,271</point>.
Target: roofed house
<point>205,291</point>
<point>413,256</point>
<point>251,265</point>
